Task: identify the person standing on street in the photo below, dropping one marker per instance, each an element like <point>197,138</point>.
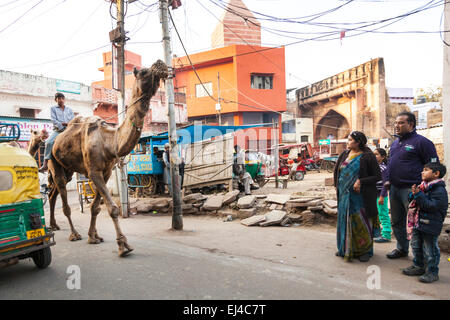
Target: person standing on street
<point>407,156</point>
<point>60,115</point>
<point>355,176</point>
<point>382,194</point>
<point>166,161</point>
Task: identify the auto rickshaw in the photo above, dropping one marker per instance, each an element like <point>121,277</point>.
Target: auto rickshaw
<point>23,231</point>
<point>254,167</point>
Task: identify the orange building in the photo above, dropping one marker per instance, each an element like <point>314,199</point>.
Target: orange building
<point>131,60</point>
<point>105,98</point>
<point>248,79</point>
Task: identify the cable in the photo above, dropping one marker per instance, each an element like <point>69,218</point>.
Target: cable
<point>21,16</point>
<point>61,59</point>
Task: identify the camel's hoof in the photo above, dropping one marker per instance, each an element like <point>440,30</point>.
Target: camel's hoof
<point>55,227</point>
<point>93,241</point>
<point>99,238</point>
<point>125,252</point>
<point>75,237</point>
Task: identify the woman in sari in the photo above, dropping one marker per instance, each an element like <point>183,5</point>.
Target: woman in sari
<point>355,176</point>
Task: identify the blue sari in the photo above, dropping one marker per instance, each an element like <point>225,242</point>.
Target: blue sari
<point>354,229</point>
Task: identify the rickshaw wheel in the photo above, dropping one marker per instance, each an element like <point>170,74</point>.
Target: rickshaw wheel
<point>42,258</point>
<point>150,181</point>
<point>299,175</point>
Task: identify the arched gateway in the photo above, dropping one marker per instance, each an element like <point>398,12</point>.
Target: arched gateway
<point>351,100</point>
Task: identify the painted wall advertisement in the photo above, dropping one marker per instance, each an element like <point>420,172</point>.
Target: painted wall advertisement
<point>27,125</point>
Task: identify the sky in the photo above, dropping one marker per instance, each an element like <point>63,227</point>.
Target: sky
<point>64,39</point>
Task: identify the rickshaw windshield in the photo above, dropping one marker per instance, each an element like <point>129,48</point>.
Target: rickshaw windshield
<point>19,178</point>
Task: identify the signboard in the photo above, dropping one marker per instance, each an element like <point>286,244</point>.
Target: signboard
<point>324,142</point>
<point>68,86</point>
<point>26,125</point>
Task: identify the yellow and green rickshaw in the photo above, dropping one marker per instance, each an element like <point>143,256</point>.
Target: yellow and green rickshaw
<point>23,231</point>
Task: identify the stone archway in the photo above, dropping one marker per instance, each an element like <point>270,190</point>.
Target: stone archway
<point>332,123</point>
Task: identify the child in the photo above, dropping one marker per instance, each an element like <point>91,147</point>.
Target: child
<point>426,215</point>
<point>382,205</point>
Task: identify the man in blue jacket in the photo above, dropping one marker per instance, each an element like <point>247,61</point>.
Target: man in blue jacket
<point>407,157</point>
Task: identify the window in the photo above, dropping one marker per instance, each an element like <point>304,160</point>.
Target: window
<point>6,180</point>
<point>262,81</point>
<point>200,90</point>
<point>288,126</point>
<point>26,113</point>
<point>304,138</point>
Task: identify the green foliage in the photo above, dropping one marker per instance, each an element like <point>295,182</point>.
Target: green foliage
<point>431,94</point>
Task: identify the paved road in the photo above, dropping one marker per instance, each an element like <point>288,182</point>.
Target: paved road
<point>211,259</point>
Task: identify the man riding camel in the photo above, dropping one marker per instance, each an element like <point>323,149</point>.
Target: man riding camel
<point>60,115</point>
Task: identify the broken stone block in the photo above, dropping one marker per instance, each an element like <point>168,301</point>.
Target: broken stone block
<point>213,203</point>
<point>143,208</point>
<point>331,204</point>
<point>330,211</point>
<point>274,217</point>
<point>194,198</point>
<point>308,218</point>
<point>246,213</point>
<point>230,197</point>
<point>197,205</point>
<point>316,208</point>
<point>261,196</point>
<point>273,206</point>
<point>254,220</point>
<point>278,198</point>
<point>295,217</point>
<point>286,221</point>
<point>246,202</point>
<point>314,203</point>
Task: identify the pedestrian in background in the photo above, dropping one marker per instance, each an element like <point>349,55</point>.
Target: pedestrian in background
<point>166,161</point>
<point>427,211</point>
<point>382,194</point>
<point>407,156</point>
<point>355,176</point>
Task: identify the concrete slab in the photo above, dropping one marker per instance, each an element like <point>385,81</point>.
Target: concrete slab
<point>230,197</point>
<point>278,198</point>
<point>246,202</point>
<point>254,220</point>
<point>332,204</point>
<point>274,217</point>
<point>213,203</point>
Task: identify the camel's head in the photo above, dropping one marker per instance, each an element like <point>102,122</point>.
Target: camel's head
<point>38,136</point>
<point>147,79</point>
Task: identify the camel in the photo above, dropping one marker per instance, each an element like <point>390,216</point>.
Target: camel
<point>92,147</point>
<point>36,139</point>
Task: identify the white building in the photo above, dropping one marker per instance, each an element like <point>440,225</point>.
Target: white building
<point>421,111</point>
<point>30,98</point>
<point>296,130</point>
<point>401,95</point>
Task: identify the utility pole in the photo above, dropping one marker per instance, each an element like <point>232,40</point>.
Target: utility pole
<point>218,107</point>
<point>276,151</point>
<point>177,216</point>
<point>446,88</point>
<point>117,36</point>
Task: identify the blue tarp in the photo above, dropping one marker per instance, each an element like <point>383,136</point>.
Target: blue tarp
<point>194,133</point>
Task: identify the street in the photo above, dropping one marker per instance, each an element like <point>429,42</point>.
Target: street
<point>211,259</point>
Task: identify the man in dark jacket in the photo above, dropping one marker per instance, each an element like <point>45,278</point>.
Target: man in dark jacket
<point>407,156</point>
<point>425,220</point>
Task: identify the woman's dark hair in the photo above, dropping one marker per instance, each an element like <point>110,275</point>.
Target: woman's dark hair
<point>359,137</point>
<point>411,118</point>
<point>382,153</point>
<point>437,166</point>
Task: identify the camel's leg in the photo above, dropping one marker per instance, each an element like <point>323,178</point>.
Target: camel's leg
<point>60,181</point>
<point>94,238</point>
<point>113,210</point>
<point>52,196</point>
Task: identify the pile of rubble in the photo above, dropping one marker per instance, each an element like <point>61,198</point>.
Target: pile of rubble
<point>263,210</point>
